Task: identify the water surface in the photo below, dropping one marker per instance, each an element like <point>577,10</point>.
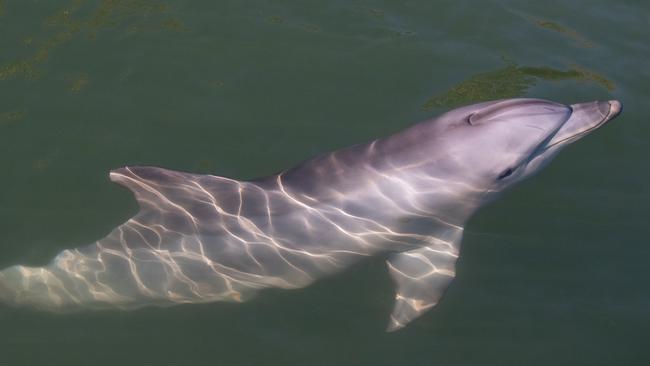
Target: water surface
<point>557,272</point>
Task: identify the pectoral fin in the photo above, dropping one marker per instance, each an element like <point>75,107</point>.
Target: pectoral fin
<point>421,277</point>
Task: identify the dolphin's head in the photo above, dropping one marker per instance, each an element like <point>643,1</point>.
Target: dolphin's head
<point>497,144</point>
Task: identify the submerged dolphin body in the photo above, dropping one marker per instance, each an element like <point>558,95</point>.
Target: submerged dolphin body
<point>202,238</point>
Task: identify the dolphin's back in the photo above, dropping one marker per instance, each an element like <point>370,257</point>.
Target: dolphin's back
<point>353,168</point>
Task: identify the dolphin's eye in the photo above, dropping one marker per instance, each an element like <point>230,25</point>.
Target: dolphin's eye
<point>506,173</point>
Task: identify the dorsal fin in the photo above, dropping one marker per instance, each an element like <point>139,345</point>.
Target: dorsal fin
<point>145,182</point>
<point>162,187</point>
<point>204,197</point>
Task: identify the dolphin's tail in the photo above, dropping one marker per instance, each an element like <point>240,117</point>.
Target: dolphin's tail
<point>63,285</point>
<point>105,276</point>
<point>38,287</point>
<point>98,277</point>
<point>155,258</point>
<point>8,287</point>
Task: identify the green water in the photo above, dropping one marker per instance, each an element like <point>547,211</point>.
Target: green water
<point>555,273</point>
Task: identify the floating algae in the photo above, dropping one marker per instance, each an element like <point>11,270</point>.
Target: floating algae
<point>77,82</point>
<point>508,82</point>
<point>11,116</point>
<point>80,17</point>
<point>174,24</point>
<point>577,37</point>
<point>577,73</point>
<point>276,19</point>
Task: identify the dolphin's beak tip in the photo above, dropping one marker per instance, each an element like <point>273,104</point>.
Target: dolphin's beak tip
<point>615,108</point>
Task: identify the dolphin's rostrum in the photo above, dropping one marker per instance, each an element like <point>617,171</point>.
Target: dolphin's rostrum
<point>202,238</point>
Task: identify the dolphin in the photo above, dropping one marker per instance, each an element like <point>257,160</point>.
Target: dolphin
<point>204,238</point>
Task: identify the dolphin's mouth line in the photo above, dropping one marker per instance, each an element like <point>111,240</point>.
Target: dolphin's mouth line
<point>605,119</point>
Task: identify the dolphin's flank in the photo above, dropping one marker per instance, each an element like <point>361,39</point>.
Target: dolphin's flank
<point>202,238</point>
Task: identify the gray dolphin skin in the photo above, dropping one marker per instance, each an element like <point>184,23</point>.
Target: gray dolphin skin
<point>203,238</point>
